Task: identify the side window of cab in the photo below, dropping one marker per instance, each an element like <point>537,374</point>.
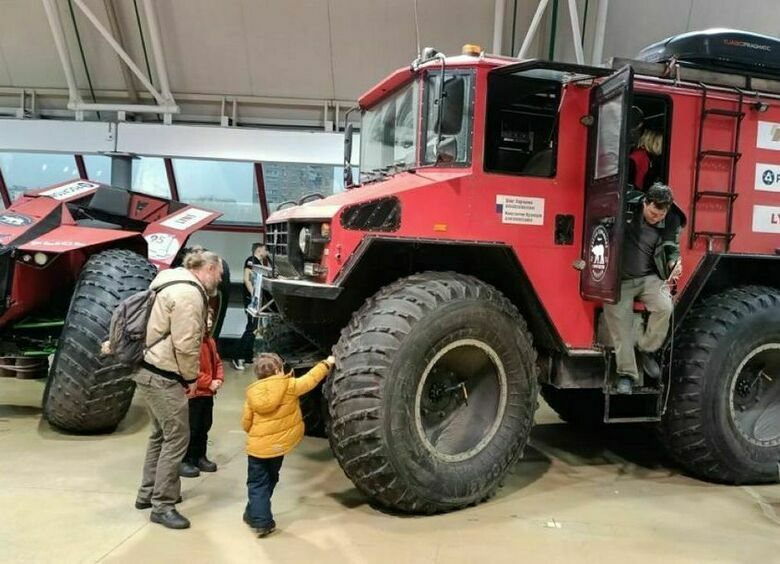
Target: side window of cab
<point>521,132</point>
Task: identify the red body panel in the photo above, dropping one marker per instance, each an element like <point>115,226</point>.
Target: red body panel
<point>461,204</point>
<point>40,222</point>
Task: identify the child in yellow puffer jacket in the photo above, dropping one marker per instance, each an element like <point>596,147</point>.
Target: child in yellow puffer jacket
<point>274,425</point>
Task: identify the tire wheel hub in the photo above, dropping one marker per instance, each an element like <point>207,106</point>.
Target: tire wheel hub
<point>755,396</point>
<point>460,400</point>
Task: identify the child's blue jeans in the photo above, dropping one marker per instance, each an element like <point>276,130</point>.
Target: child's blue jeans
<point>261,478</point>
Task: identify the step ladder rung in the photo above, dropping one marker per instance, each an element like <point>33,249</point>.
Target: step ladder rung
<point>649,419</point>
<point>716,194</point>
<point>724,113</point>
<point>715,234</point>
<point>638,391</point>
<point>722,154</point>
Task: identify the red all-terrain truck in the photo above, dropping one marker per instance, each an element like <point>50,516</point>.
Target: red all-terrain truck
<point>467,271</point>
<point>69,254</point>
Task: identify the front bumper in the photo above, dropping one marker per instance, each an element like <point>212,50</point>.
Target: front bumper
<point>280,288</point>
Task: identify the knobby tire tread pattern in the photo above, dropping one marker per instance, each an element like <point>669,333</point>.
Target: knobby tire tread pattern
<point>364,355</point>
<point>78,398</point>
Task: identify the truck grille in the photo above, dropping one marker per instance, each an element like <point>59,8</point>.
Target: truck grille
<point>276,235</point>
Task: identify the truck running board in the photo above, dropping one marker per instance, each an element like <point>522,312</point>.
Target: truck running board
<point>643,405</point>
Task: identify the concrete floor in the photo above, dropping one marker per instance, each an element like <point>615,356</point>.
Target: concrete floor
<point>573,498</point>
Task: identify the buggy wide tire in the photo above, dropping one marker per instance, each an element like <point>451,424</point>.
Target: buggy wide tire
<point>582,408</point>
<point>724,345</point>
<point>280,337</point>
<point>401,363</point>
<point>80,396</point>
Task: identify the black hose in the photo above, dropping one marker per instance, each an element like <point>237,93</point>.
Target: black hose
<point>83,57</point>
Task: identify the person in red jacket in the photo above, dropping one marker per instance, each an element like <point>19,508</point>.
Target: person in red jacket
<point>210,378</point>
<point>642,160</point>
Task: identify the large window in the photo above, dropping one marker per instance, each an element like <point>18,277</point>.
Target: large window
<point>225,186</point>
<point>98,168</point>
<point>29,171</point>
<point>388,134</point>
<point>522,125</point>
<point>286,182</point>
<point>149,177</point>
<point>456,117</point>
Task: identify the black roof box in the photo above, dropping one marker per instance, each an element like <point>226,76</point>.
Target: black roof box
<point>720,49</point>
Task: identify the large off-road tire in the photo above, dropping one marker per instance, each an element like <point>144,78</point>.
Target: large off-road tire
<point>581,408</point>
<point>281,338</point>
<point>723,418</point>
<point>83,393</point>
<point>434,393</point>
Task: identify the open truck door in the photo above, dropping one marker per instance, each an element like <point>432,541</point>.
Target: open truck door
<point>607,169</point>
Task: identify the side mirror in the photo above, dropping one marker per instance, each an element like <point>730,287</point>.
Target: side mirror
<point>348,181</point>
<point>453,99</point>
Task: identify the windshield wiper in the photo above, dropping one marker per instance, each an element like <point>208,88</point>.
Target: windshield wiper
<point>384,172</point>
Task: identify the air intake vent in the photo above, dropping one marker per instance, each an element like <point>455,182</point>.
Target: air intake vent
<point>378,215</point>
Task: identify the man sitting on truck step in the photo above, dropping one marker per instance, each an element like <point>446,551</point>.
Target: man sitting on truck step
<point>650,262</point>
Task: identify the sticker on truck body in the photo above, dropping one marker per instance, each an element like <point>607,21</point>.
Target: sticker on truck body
<point>766,219</point>
<point>520,210</point>
<point>767,177</point>
<point>768,136</point>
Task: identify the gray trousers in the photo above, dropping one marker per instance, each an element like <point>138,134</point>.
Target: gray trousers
<point>625,333</point>
<point>168,409</point>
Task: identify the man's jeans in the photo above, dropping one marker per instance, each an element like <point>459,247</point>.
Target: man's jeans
<point>169,413</point>
<point>262,476</point>
<point>625,334</point>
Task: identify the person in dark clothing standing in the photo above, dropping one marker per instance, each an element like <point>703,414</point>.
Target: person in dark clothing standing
<point>650,261</point>
<point>259,257</point>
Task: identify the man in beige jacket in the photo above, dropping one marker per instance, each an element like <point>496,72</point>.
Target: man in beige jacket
<point>174,335</point>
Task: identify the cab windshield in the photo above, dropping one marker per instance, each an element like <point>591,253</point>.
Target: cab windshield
<point>388,134</point>
<point>390,130</point>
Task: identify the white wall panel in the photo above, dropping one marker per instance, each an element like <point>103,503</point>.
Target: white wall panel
<point>209,142</point>
<point>56,136</point>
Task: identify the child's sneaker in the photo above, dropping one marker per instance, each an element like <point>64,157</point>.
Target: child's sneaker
<point>238,364</point>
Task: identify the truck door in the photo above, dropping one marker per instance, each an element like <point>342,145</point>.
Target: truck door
<point>605,185</point>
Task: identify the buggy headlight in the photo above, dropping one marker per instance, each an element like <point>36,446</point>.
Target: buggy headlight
<point>304,240</point>
<point>40,259</point>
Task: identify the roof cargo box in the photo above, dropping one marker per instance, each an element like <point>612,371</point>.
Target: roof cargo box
<point>720,49</point>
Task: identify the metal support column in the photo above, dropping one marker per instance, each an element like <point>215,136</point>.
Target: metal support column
<point>498,28</point>
<point>74,97</point>
<point>601,27</point>
<point>122,171</point>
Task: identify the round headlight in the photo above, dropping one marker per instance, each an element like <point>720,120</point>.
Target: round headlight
<point>304,237</point>
<point>40,259</point>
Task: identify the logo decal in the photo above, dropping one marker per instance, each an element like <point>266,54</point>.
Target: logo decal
<point>599,253</point>
<point>767,177</point>
<point>15,219</point>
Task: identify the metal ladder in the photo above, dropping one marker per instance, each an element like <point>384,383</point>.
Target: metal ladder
<point>733,156</point>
